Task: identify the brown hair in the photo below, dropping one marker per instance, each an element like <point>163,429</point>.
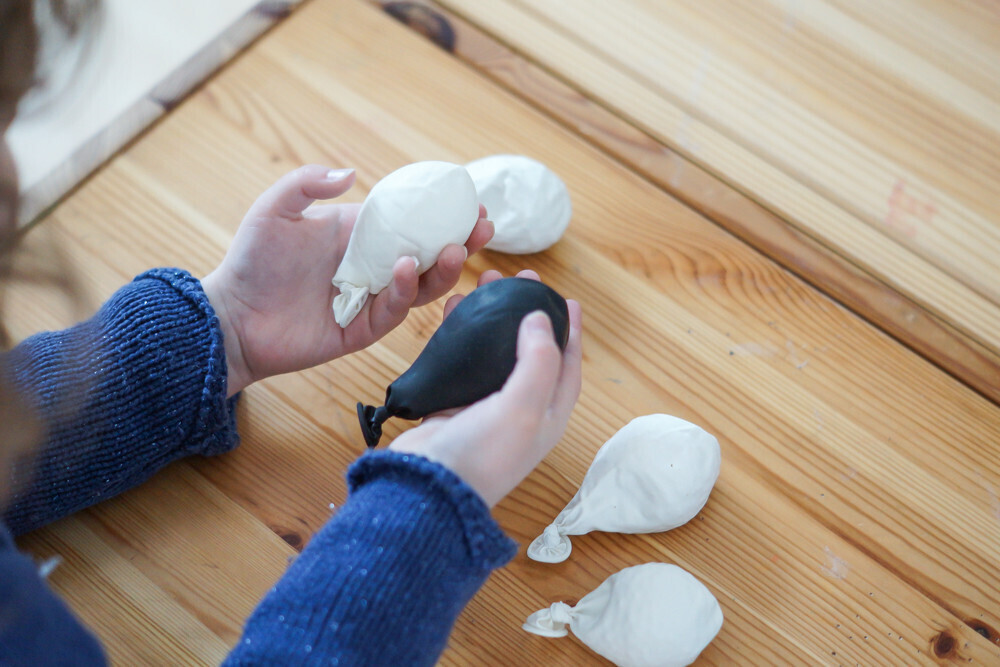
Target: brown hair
<point>18,46</point>
<point>21,46</point>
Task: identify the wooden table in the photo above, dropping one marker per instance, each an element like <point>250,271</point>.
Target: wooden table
<point>857,517</point>
<point>855,142</point>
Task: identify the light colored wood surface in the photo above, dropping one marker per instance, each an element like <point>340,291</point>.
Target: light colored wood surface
<point>855,142</point>
<point>857,516</point>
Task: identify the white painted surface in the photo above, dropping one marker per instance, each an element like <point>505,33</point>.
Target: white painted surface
<point>143,53</point>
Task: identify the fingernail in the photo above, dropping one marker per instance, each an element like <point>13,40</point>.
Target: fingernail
<point>416,263</point>
<point>537,323</point>
<point>337,175</point>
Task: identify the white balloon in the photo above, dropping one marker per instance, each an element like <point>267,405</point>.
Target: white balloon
<point>651,615</point>
<point>527,202</point>
<point>415,211</point>
<point>654,474</point>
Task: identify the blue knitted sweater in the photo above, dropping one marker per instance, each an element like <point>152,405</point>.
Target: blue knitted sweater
<point>142,384</point>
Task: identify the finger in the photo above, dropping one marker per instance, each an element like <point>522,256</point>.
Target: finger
<point>481,233</point>
<point>390,306</point>
<point>443,275</point>
<point>450,304</point>
<point>488,277</point>
<point>532,383</point>
<point>297,189</point>
<point>529,274</point>
<point>570,378</point>
<point>447,268</point>
<point>484,278</point>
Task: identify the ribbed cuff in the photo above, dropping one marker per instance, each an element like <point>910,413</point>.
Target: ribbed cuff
<point>384,580</point>
<point>214,428</point>
<point>140,384</point>
<point>489,548</point>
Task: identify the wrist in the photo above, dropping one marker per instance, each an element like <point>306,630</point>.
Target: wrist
<point>439,487</point>
<point>237,374</point>
<point>449,453</point>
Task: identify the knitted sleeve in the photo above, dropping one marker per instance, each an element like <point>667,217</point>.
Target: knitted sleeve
<point>140,384</point>
<point>384,580</point>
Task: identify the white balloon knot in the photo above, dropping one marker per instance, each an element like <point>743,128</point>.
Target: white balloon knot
<point>561,613</point>
<point>543,624</point>
<point>550,547</point>
<point>551,537</point>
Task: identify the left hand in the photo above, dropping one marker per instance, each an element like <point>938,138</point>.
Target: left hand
<point>273,290</point>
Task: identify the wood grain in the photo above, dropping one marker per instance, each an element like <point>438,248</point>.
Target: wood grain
<point>819,264</point>
<point>856,517</point>
<point>172,571</point>
<point>827,146</point>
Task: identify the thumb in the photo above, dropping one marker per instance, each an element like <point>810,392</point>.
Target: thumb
<point>532,383</point>
<point>297,189</point>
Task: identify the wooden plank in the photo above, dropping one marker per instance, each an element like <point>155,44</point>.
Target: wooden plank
<point>957,37</point>
<point>822,266</point>
<point>861,187</point>
<point>856,513</point>
<point>170,570</point>
<point>136,621</point>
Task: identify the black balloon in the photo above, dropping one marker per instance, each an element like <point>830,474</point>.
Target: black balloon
<point>470,355</point>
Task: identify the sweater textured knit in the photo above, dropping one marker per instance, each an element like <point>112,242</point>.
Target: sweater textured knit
<point>143,383</point>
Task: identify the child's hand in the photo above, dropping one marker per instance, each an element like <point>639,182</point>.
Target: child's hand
<point>273,291</point>
<point>495,443</point>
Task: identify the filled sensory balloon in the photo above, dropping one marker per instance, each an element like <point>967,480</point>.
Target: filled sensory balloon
<point>651,615</point>
<point>654,474</point>
<point>415,211</point>
<point>527,202</point>
<point>470,355</point>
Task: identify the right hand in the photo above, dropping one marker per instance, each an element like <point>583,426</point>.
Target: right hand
<point>495,443</point>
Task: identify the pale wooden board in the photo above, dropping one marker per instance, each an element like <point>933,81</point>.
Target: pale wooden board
<point>857,510</point>
<point>168,573</point>
<point>824,267</point>
<point>879,157</point>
